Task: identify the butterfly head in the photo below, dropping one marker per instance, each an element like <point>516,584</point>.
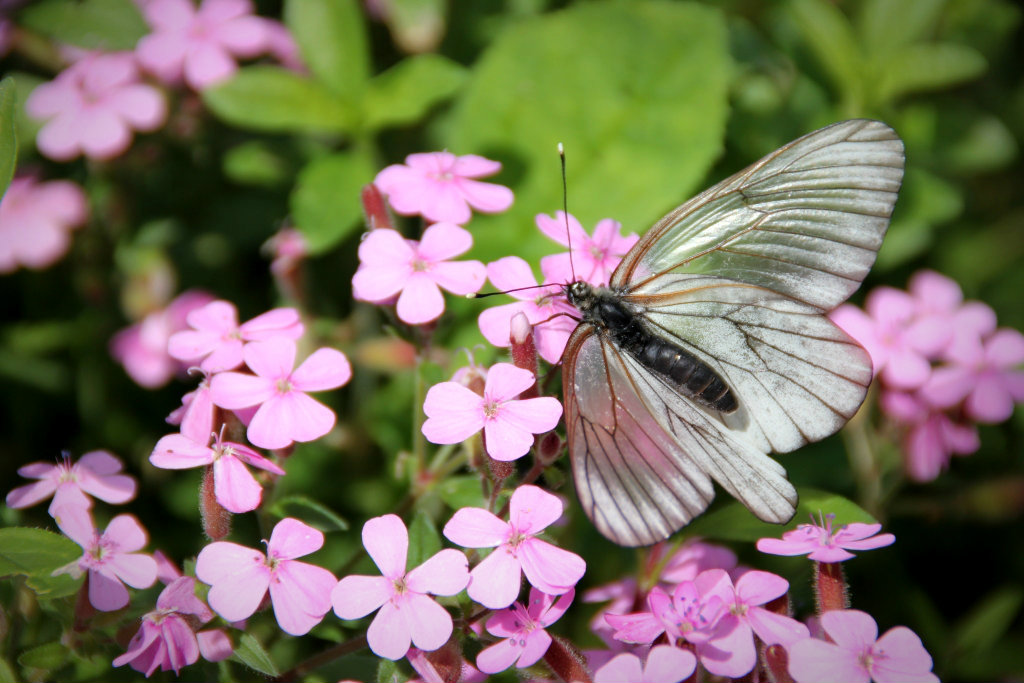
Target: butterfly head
<point>581,295</point>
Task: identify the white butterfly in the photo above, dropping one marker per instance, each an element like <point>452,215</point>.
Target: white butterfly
<point>710,347</point>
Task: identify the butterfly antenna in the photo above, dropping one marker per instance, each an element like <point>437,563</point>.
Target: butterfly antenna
<point>565,210</point>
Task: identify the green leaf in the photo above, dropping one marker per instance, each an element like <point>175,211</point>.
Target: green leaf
<point>424,541</point>
<point>271,98</point>
<point>407,91</point>
<point>416,25</point>
<point>251,653</point>
<point>734,522</point>
<point>326,204</point>
<point>929,66</point>
<point>255,163</point>
<point>109,25</point>
<point>312,512</point>
<point>36,554</point>
<point>46,657</point>
<point>8,133</point>
<point>462,492</point>
<point>885,25</point>
<point>388,672</point>
<point>829,35</point>
<point>637,92</point>
<point>331,35</point>
<point>987,621</point>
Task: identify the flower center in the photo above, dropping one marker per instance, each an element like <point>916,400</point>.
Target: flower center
<point>284,386</point>
<point>492,408</point>
<point>419,265</point>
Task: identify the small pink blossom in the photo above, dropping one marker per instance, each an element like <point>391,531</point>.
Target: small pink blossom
<point>526,641</point>
<point>234,486</point>
<point>495,581</point>
<point>239,578</point>
<point>217,338</point>
<point>592,258</point>
<point>93,106</point>
<point>407,616</point>
<point>664,664</point>
<point>167,639</point>
<point>684,615</point>
<point>142,348</point>
<point>286,413</point>
<point>857,655</point>
<point>36,220</point>
<point>441,187</point>
<point>97,473</point>
<point>821,544</point>
<point>200,45</point>
<point>932,437</point>
<point>455,413</point>
<point>110,558</point>
<point>546,308</point>
<point>415,272</point>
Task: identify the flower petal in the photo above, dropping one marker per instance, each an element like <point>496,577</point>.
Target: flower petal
<point>446,573</point>
<point>387,541</point>
<point>301,595</point>
<point>356,596</point>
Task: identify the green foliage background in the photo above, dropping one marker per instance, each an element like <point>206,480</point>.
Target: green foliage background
<point>654,100</point>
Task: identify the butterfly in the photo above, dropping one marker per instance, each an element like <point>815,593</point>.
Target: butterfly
<point>710,346</point>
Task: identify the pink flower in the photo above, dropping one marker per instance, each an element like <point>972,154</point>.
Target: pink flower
<point>665,664</point>
<point>932,437</point>
<point>142,347</point>
<point>93,106</point>
<point>415,272</point>
<point>196,412</point>
<point>495,581</point>
<point>234,486</point>
<point>167,638</point>
<point>217,338</point>
<point>36,220</point>
<point>108,558</point>
<point>526,641</point>
<point>825,545</point>
<point>440,186</point>
<point>857,655</point>
<point>407,615</point>
<point>455,413</point>
<point>286,413</point>
<point>239,578</point>
<point>96,473</point>
<point>685,615</point>
<point>552,317</point>
<point>201,44</point>
<point>592,258</point>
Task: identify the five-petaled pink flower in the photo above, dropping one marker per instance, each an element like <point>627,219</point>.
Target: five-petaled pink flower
<point>234,486</point>
<point>526,641</point>
<point>415,272</point>
<point>407,616</point>
<point>239,578</point>
<point>93,106</point>
<point>217,338</point>
<point>441,187</point>
<point>97,473</point>
<point>110,558</point>
<point>932,436</point>
<point>664,664</point>
<point>821,544</point>
<point>286,413</point>
<point>857,655</point>
<point>201,44</point>
<point>592,258</point>
<point>684,615</point>
<point>36,220</point>
<point>167,638</point>
<point>455,413</point>
<point>546,308</point>
<point>495,581</point>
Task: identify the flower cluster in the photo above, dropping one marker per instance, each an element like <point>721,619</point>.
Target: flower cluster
<point>942,363</point>
<point>36,220</point>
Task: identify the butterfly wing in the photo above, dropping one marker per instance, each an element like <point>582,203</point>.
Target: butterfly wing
<point>643,456</point>
<point>806,221</point>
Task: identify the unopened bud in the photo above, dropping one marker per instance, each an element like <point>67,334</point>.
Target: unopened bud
<point>830,587</point>
<point>566,661</point>
<point>550,448</point>
<point>524,350</point>
<point>776,659</point>
<point>375,208</point>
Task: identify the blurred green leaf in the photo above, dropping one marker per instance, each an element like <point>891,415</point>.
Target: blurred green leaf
<point>8,133</point>
<point>984,145</point>
<point>251,653</point>
<point>405,92</point>
<point>986,623</point>
<point>27,127</point>
<point>926,201</point>
<point>416,25</point>
<point>331,35</point>
<point>46,657</point>
<point>927,66</point>
<point>885,26</point>
<point>326,204</point>
<point>271,98</point>
<point>424,541</point>
<point>255,163</point>
<point>36,554</point>
<point>828,33</point>
<point>636,91</point>
<point>462,492</point>
<point>312,512</point>
<point>388,672</point>
<point>108,25</point>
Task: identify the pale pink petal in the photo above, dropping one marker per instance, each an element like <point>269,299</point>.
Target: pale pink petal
<point>106,592</point>
<point>640,628</point>
<point>243,36</point>
<point>454,413</point>
<point>251,457</point>
<point>498,657</point>
<point>421,300</point>
<point>59,138</point>
<point>429,624</point>
<point>292,538</point>
<point>291,417</point>
<point>549,568</point>
<point>301,595</point>
<point>906,370</point>
<point>934,290</point>
<point>901,658</point>
<point>626,667</point>
<point>443,241</point>
<point>100,463</point>
<point>127,533</point>
<point>485,197</point>
<point>273,358</point>
<point>445,573</point>
<point>757,587</point>
<point>494,583</point>
<point>76,523</point>
<point>536,415</point>
<point>504,441</point>
<point>214,645</point>
<point>234,486</point>
<point>850,629</point>
<point>534,646</point>
<point>37,470</point>
<point>470,165</point>
<point>207,64</point>
<point>476,528</point>
<point>379,284</point>
<point>356,596</point>
<point>990,402</point>
<point>385,247</point>
<point>387,542</point>
<point>505,381</point>
<point>238,598</point>
<point>30,494</point>
<point>555,228</point>
<point>947,386</point>
<point>227,355</point>
<point>233,390</point>
<point>102,134</point>
<point>325,369</point>
<point>221,562</point>
<point>495,322</point>
<point>135,569</point>
<point>532,509</point>
<point>814,661</point>
<point>775,628</point>
<point>177,452</point>
<point>667,664</point>
<point>388,635</point>
<point>459,277</point>
<point>442,201</point>
<point>140,105</point>
<point>192,344</point>
<point>163,54</point>
<point>278,322</point>
<point>512,272</point>
<point>731,652</point>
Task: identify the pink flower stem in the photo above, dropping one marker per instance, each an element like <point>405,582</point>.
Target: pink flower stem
<point>830,587</point>
<point>566,661</point>
<point>777,662</point>
<point>216,520</point>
